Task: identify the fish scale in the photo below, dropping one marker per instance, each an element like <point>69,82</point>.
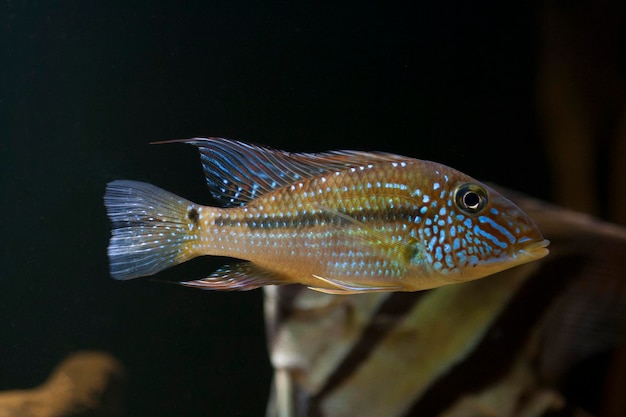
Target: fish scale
<point>338,222</point>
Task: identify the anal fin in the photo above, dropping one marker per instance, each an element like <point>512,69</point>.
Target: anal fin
<point>242,276</point>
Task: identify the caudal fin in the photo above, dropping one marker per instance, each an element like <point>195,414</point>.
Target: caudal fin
<point>151,229</point>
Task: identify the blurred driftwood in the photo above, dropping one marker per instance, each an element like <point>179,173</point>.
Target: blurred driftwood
<point>86,384</point>
<point>581,91</point>
<point>582,107</point>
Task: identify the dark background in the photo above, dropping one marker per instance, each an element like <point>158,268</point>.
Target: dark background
<point>86,86</point>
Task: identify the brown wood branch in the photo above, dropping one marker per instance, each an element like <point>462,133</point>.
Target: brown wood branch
<point>86,384</point>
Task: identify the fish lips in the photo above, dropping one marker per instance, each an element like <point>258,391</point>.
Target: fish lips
<point>535,250</point>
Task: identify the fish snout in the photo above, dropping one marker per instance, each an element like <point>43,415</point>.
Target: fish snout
<point>530,243</point>
<point>535,249</point>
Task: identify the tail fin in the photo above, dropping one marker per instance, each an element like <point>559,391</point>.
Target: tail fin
<point>151,229</point>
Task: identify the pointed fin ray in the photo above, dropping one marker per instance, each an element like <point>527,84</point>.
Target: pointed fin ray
<point>243,276</point>
<point>238,172</point>
<point>345,288</point>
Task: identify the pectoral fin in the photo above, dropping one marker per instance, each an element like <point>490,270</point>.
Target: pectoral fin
<point>377,241</point>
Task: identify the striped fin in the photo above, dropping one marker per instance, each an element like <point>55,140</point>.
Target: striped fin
<point>238,172</point>
<point>242,276</point>
<point>150,229</point>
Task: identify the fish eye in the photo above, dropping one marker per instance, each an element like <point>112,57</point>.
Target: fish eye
<point>470,198</point>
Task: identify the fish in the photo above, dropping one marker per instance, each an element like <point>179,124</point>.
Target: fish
<point>339,222</point>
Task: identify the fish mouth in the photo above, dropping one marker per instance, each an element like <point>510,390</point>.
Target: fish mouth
<point>536,250</point>
<point>532,251</point>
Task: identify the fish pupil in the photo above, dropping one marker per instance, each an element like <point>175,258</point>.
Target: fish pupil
<point>471,200</point>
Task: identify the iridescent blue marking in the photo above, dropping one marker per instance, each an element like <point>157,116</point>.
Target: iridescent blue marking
<point>438,253</point>
<point>437,265</point>
<point>453,230</point>
<point>423,210</point>
<point>494,210</point>
<point>456,244</point>
<point>461,257</point>
<point>489,236</point>
<point>428,222</point>
<point>449,261</point>
<point>468,223</point>
<point>506,233</point>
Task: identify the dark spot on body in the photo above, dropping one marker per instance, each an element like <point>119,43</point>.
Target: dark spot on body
<point>193,215</point>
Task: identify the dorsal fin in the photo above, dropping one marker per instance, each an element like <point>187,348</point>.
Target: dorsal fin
<point>238,172</point>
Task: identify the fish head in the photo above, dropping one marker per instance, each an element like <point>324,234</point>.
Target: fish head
<point>469,231</point>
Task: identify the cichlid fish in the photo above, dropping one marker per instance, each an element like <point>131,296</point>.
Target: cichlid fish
<point>338,222</point>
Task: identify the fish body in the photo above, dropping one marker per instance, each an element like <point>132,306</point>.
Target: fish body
<point>339,222</point>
